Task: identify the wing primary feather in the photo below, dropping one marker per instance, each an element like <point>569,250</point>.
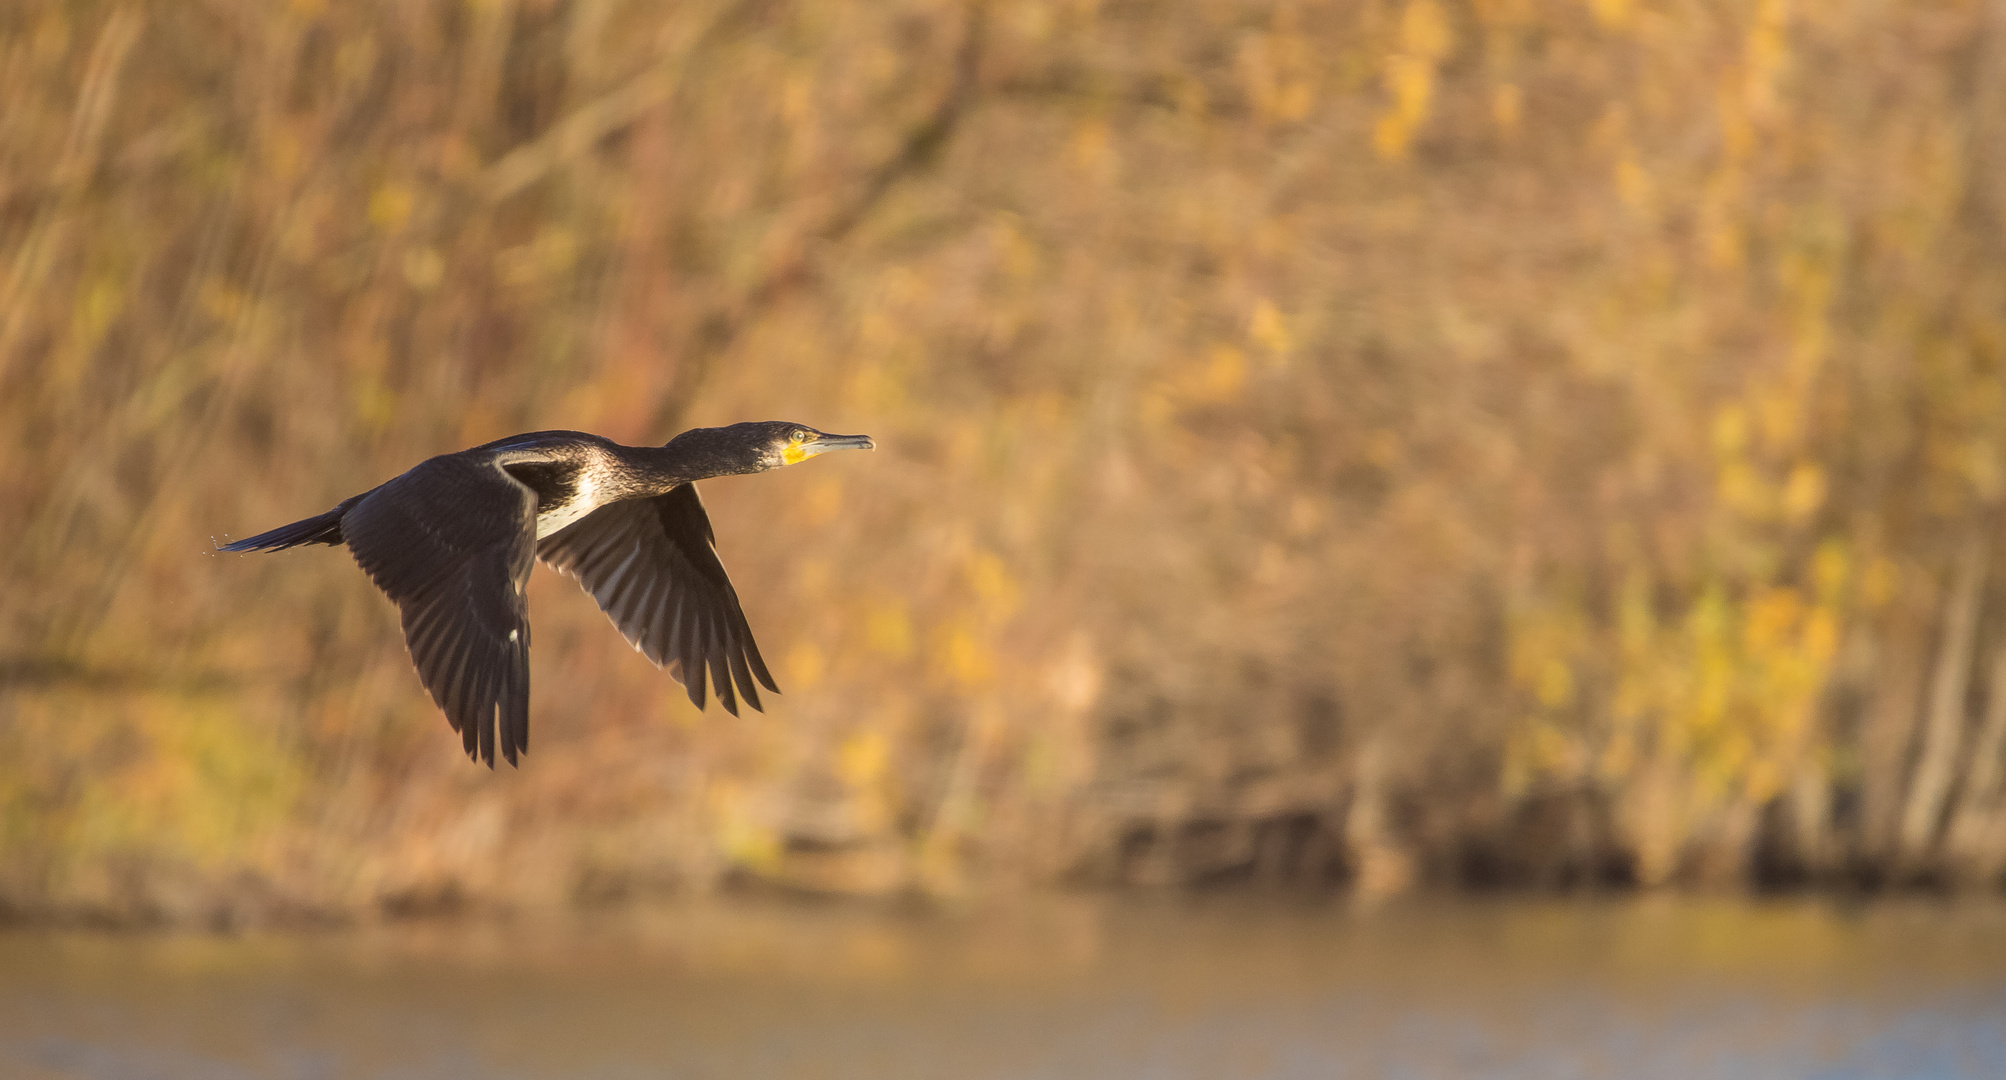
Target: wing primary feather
<point>518,698</point>
<point>485,717</point>
<point>679,633</point>
<point>420,631</point>
<point>469,738</point>
<point>452,692</point>
<point>614,604</point>
<point>720,678</point>
<point>752,657</point>
<point>736,655</point>
<point>491,700</point>
<point>464,709</point>
<point>478,706</point>
<point>655,625</point>
<point>435,673</point>
<point>668,645</point>
<point>422,637</point>
<point>624,598</point>
<point>693,636</point>
<point>693,665</point>
<point>641,604</point>
<point>610,585</point>
<point>429,644</point>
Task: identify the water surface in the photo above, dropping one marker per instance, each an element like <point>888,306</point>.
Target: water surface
<point>1121,990</point>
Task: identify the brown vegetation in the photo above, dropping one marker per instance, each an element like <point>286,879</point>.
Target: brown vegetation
<point>1523,442</point>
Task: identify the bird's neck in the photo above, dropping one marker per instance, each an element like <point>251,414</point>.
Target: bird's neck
<point>661,468</point>
<point>645,471</point>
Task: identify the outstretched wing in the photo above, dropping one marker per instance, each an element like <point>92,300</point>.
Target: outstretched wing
<point>452,542</point>
<point>652,566</point>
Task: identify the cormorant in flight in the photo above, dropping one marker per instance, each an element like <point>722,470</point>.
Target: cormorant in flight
<point>452,540</point>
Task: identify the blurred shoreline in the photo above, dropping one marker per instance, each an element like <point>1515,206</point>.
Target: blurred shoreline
<point>759,910</point>
<point>1048,939</point>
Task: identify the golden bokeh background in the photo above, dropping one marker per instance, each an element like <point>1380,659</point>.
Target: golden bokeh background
<point>1374,444</point>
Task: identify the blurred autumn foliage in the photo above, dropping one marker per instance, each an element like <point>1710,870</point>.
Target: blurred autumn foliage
<point>1543,443</point>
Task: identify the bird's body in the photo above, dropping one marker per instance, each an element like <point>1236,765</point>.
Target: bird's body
<point>452,540</point>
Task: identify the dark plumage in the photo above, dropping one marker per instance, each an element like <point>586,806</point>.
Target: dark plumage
<point>452,540</point>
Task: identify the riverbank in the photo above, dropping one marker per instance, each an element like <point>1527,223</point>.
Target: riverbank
<point>1113,988</point>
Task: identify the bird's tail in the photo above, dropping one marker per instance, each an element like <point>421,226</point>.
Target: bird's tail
<point>320,529</point>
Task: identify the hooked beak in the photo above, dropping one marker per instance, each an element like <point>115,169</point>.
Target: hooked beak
<point>822,444</point>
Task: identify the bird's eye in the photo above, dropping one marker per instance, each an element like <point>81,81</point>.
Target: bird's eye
<point>802,435</point>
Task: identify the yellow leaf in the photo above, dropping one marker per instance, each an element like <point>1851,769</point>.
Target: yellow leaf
<point>1610,13</point>
<point>862,758</point>
<point>390,207</point>
<point>1507,108</point>
<point>1267,329</point>
<point>805,665</point>
<point>888,630</point>
<point>1424,30</point>
<point>1803,492</point>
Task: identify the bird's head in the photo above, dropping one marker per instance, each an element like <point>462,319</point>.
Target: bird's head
<point>760,445</point>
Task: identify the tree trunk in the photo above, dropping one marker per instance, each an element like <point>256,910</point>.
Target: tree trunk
<point>1976,840</point>
<point>1943,718</point>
